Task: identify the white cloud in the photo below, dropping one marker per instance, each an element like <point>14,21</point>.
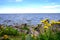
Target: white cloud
<point>43,9</point>
<point>55,6</point>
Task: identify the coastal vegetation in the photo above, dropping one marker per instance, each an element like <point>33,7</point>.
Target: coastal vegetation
<point>46,30</point>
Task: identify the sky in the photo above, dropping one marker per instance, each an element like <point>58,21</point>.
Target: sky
<point>29,6</point>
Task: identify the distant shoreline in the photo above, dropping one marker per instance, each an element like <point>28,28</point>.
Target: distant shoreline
<point>29,13</point>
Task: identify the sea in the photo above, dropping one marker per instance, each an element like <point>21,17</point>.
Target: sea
<point>29,18</point>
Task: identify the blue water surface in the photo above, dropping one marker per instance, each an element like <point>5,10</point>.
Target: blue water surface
<point>27,18</point>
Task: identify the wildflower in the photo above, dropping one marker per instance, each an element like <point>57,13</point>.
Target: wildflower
<point>45,22</point>
<point>58,22</point>
<point>53,22</point>
<point>5,36</point>
<point>45,27</point>
<point>42,21</point>
<point>48,25</point>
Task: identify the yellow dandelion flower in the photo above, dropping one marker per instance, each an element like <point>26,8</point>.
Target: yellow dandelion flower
<point>46,22</point>
<point>53,22</point>
<point>5,36</point>
<point>58,22</point>
<point>45,27</point>
<point>42,21</point>
<point>48,25</point>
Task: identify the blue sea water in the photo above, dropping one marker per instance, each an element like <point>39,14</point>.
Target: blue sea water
<point>27,18</point>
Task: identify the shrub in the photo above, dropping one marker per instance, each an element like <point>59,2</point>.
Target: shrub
<point>10,31</point>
